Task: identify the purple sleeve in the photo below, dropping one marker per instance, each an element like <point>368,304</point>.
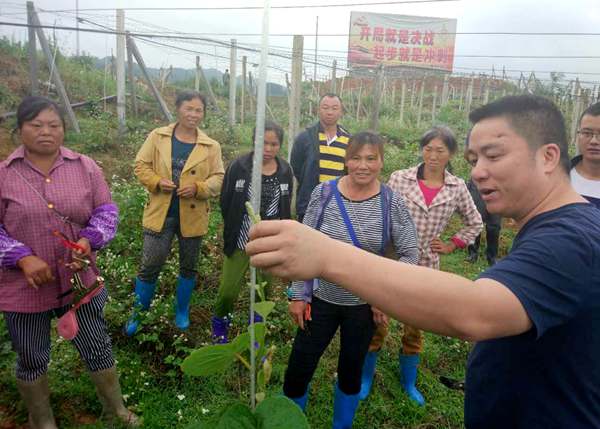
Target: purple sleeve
<point>11,250</point>
<point>102,226</point>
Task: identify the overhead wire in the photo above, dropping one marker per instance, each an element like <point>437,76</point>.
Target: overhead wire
<point>341,60</point>
<point>192,34</point>
<point>285,53</point>
<point>298,6</point>
<point>176,37</point>
<point>155,43</point>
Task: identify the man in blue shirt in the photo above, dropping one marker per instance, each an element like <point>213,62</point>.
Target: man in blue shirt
<point>535,315</point>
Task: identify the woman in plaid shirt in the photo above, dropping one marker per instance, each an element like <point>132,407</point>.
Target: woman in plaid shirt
<point>432,195</point>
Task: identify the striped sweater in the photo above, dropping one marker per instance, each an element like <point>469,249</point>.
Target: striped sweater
<point>332,156</point>
<point>366,218</point>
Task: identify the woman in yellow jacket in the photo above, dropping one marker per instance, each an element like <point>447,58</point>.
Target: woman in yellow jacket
<point>182,169</point>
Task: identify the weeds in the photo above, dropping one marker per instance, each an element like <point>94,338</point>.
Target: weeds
<point>149,362</point>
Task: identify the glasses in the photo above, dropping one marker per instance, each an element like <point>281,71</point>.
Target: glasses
<point>588,134</point>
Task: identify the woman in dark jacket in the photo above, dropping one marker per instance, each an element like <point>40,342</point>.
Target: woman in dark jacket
<point>277,184</point>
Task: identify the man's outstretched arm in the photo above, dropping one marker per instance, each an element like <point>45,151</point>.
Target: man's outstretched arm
<point>432,300</point>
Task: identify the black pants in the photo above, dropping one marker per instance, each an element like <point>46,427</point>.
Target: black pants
<point>356,330</point>
<point>492,234</point>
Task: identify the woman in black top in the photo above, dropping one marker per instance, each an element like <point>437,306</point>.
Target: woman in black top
<point>277,184</point>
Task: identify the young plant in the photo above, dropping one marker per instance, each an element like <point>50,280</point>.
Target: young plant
<point>273,412</point>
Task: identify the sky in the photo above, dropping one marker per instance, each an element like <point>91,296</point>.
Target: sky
<point>550,16</point>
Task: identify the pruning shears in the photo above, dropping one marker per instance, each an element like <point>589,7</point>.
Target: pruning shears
<point>68,243</point>
<point>76,281</point>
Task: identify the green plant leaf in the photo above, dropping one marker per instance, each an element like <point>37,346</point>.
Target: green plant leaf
<point>233,416</point>
<point>241,343</point>
<point>264,308</point>
<point>209,360</point>
<point>278,412</point>
<point>260,380</point>
<point>237,416</point>
<point>260,331</point>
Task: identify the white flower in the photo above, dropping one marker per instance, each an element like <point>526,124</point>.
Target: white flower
<point>205,411</point>
<point>181,397</point>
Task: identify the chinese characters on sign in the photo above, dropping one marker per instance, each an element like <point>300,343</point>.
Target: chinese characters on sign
<point>399,40</point>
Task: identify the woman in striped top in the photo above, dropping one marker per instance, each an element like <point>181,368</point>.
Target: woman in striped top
<point>277,183</point>
<point>360,210</point>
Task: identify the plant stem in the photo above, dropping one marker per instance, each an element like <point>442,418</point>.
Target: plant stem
<point>242,360</point>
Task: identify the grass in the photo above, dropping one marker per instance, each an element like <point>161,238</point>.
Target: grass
<point>148,363</point>
<point>152,382</point>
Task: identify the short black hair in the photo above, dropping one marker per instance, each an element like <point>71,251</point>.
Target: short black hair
<point>332,95</point>
<point>358,140</point>
<point>441,132</point>
<point>593,110</point>
<point>32,106</point>
<point>188,96</point>
<point>270,126</point>
<point>534,118</point>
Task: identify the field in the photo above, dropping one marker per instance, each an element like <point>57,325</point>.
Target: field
<point>151,378</point>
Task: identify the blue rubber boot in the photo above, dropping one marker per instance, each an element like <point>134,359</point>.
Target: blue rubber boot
<point>408,377</point>
<point>144,292</point>
<point>344,408</point>
<point>185,287</point>
<point>301,401</point>
<point>368,372</point>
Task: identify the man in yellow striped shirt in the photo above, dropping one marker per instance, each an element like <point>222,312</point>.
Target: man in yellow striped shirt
<point>319,151</point>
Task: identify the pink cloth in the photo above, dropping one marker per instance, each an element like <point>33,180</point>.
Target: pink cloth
<point>459,243</point>
<point>428,193</point>
<point>76,188</point>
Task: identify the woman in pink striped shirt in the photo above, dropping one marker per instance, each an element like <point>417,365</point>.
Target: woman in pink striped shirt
<point>48,190</point>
